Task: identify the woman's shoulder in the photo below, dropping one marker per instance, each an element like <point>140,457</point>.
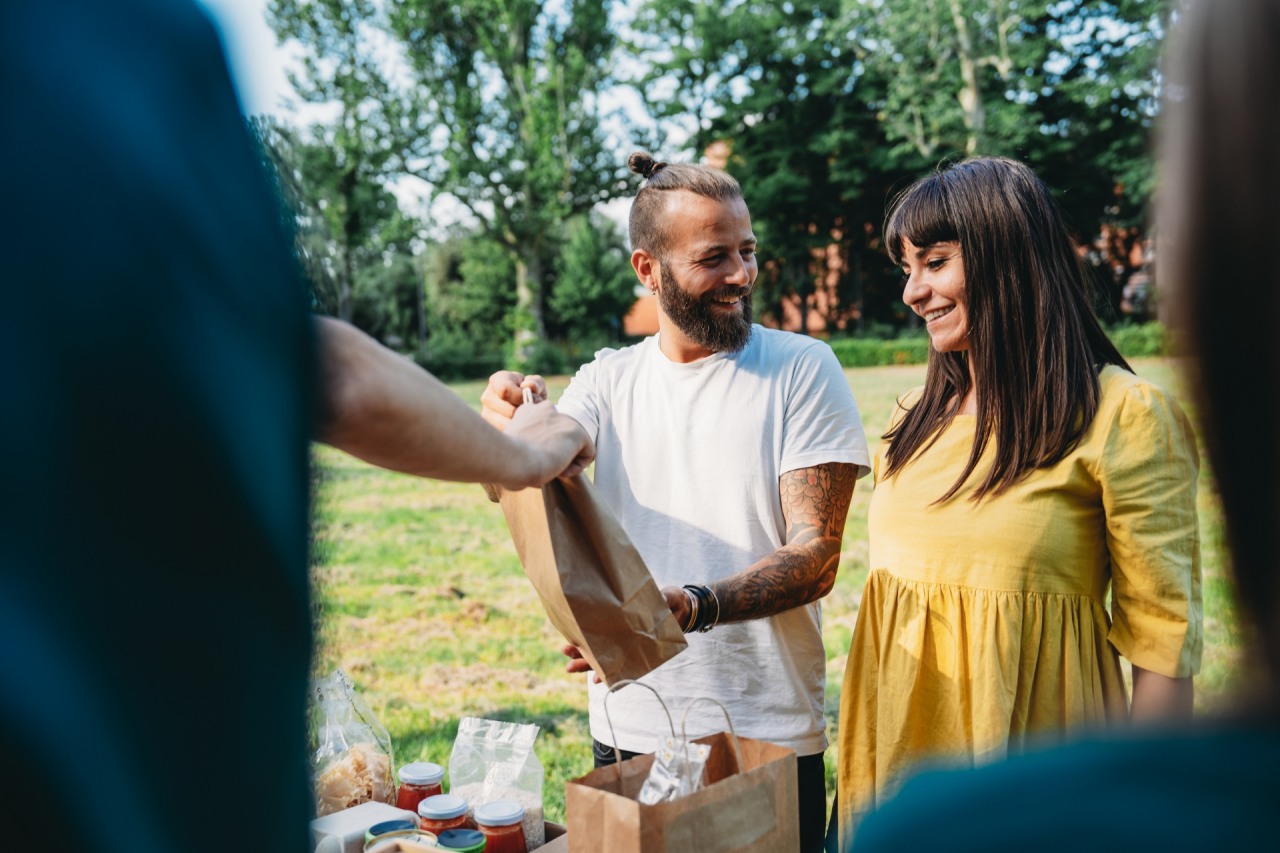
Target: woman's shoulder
<point>1138,416</point>
<point>905,403</point>
<point>1123,393</point>
<point>909,398</point>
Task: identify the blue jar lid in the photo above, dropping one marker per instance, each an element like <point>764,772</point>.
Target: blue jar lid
<point>421,773</point>
<point>464,840</point>
<point>499,813</point>
<point>442,807</point>
<point>386,826</point>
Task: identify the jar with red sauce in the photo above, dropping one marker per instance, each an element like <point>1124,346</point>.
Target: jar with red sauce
<point>443,811</point>
<point>502,823</point>
<point>418,780</point>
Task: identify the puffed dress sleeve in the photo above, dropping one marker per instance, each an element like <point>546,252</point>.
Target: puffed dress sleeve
<point>1148,471</point>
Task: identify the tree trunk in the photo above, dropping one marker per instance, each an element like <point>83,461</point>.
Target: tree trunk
<point>530,326</point>
<point>345,278</point>
<point>970,95</point>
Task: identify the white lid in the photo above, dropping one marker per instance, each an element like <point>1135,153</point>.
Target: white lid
<point>499,813</point>
<point>421,773</point>
<point>442,807</point>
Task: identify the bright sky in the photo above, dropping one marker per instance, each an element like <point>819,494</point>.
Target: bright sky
<point>257,63</point>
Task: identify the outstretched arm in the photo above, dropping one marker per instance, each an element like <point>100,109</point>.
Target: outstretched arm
<point>384,409</point>
<point>815,504</point>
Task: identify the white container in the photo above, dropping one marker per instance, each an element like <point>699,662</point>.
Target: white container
<point>343,832</point>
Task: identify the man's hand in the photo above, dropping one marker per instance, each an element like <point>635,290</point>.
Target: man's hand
<point>551,438</point>
<point>678,602</point>
<point>384,409</point>
<point>577,663</point>
<point>505,393</point>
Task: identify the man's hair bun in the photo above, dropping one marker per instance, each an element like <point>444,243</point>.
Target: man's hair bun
<point>642,163</point>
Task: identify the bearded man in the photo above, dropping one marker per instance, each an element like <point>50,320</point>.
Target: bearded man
<point>728,452</point>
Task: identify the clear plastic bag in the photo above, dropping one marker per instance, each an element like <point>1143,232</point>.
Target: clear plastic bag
<point>678,762</point>
<point>676,771</point>
<point>352,762</point>
<point>493,760</point>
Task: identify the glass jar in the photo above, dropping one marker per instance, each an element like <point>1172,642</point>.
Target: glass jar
<point>462,841</point>
<point>418,780</point>
<point>502,823</point>
<point>401,841</point>
<point>443,811</point>
<point>386,826</point>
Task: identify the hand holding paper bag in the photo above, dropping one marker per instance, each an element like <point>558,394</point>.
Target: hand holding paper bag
<point>594,586</point>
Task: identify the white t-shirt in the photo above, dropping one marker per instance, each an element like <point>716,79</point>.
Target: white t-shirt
<point>688,458</point>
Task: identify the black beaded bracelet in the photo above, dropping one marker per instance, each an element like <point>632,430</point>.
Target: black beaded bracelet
<point>702,617</point>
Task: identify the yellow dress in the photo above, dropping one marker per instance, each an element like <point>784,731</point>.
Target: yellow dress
<point>984,625</point>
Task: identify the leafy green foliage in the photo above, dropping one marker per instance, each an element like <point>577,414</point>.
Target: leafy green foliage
<point>831,107</point>
<point>470,282</point>
<point>871,352</point>
<point>1145,340</point>
<point>594,284</point>
<point>507,120</point>
<point>343,165</point>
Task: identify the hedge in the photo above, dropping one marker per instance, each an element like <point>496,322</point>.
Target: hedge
<point>1133,341</point>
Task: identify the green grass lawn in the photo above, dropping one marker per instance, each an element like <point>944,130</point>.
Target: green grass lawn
<point>422,601</point>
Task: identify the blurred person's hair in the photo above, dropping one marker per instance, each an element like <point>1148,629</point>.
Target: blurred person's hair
<point>647,221</point>
<point>1219,273</point>
<point>1035,343</point>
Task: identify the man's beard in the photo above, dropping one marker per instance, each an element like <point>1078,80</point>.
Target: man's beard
<point>706,326</point>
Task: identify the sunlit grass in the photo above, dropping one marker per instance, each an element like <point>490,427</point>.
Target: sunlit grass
<point>424,604</point>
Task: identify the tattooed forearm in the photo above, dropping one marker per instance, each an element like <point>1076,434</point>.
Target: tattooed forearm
<point>815,503</point>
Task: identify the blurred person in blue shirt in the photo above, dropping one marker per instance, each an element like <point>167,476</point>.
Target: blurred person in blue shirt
<point>162,380</point>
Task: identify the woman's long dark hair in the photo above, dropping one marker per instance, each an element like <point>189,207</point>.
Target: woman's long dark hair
<point>1035,345</point>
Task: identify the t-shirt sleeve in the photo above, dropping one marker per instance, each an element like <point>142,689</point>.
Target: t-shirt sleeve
<point>581,400</point>
<point>1148,472</point>
<point>822,421</point>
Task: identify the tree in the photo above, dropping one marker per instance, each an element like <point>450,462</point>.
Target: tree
<point>832,106</point>
<point>791,103</point>
<point>388,292</point>
<point>594,285</point>
<point>344,164</point>
<point>298,215</point>
<point>470,281</point>
<point>1069,87</point>
<point>509,121</point>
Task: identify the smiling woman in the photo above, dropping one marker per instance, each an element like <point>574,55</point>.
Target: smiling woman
<point>934,289</point>
<point>1015,494</point>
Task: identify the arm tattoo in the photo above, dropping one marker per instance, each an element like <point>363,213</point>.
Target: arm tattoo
<point>815,503</point>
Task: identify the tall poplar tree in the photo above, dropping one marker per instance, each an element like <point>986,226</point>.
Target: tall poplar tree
<point>507,93</point>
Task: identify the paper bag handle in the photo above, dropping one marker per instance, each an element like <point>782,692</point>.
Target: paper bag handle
<point>617,753</point>
<point>733,736</point>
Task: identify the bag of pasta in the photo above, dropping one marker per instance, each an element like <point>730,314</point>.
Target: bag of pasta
<point>352,760</point>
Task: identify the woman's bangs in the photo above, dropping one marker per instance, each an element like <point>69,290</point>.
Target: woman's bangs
<point>920,217</point>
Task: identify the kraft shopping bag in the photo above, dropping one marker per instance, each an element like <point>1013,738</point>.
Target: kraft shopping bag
<point>595,588</point>
<point>748,803</point>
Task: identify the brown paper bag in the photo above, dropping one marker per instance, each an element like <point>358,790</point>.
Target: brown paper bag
<point>752,808</point>
<point>596,590</point>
